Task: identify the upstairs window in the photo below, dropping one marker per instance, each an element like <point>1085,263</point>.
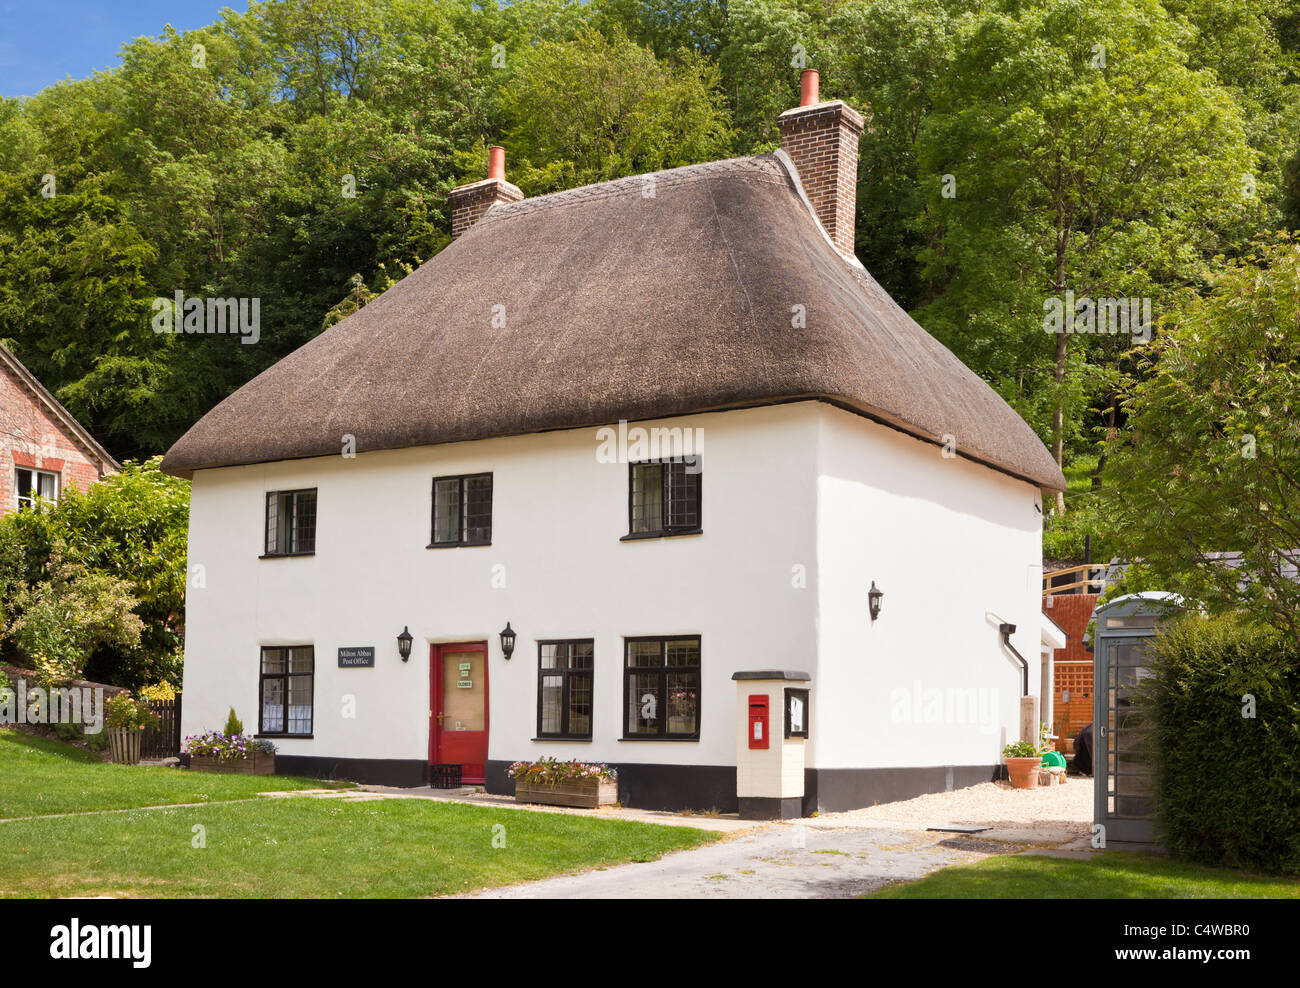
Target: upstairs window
<point>291,523</point>
<point>33,484</point>
<point>664,497</point>
<point>462,510</point>
<point>564,689</point>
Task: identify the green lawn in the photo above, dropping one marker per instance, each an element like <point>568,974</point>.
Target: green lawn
<point>275,847</point>
<point>39,776</point>
<point>1109,875</point>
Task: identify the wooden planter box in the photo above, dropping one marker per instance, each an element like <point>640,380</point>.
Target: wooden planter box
<point>257,763</point>
<point>124,745</point>
<point>585,793</point>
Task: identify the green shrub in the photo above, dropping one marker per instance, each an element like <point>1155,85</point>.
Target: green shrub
<point>234,725</point>
<point>1227,783</point>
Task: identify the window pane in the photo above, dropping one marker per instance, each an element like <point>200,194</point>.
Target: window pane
<point>304,522</point>
<point>552,687</point>
<point>300,659</point>
<point>647,497</point>
<point>273,660</point>
<point>478,510</point>
<point>272,523</point>
<point>272,705</point>
<point>300,704</point>
<point>645,654</point>
<point>446,510</point>
<point>683,702</point>
<point>580,703</point>
<point>45,485</point>
<point>581,655</point>
<point>643,703</point>
<point>23,483</point>
<point>683,653</point>
<point>683,494</point>
<point>550,656</point>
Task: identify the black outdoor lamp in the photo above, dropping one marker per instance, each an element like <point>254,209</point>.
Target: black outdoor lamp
<point>404,643</point>
<point>873,596</point>
<point>508,640</point>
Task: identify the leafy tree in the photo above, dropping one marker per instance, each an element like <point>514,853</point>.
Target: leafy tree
<point>69,614</point>
<point>131,528</point>
<point>597,108</point>
<point>1084,155</point>
<point>1211,462</point>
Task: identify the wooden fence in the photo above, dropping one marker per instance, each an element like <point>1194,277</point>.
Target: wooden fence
<point>163,741</point>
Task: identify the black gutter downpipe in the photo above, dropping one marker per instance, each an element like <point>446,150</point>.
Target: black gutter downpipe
<point>1007,631</point>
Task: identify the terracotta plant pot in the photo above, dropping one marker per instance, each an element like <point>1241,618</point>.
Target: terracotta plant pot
<point>1024,771</point>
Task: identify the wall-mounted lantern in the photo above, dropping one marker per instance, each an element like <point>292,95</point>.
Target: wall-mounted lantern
<point>873,597</point>
<point>404,643</point>
<point>508,640</point>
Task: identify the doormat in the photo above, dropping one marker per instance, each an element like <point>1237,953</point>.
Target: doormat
<point>954,828</point>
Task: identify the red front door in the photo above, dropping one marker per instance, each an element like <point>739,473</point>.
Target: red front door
<point>458,708</point>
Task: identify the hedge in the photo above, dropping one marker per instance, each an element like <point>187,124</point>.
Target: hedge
<point>1227,784</point>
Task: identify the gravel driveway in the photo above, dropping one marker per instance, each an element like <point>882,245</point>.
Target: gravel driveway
<point>843,854</point>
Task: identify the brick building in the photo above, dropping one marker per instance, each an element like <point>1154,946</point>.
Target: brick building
<point>43,449</point>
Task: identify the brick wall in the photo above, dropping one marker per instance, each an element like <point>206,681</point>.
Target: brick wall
<point>822,141</point>
<point>470,202</point>
<point>31,437</point>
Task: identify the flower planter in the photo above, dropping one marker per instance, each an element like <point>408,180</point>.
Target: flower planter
<point>1023,772</point>
<point>258,763</point>
<point>124,745</point>
<point>585,793</point>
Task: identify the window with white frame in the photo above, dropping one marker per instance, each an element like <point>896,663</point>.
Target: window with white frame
<point>29,485</point>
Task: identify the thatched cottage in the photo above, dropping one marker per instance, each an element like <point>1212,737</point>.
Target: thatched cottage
<point>664,429</point>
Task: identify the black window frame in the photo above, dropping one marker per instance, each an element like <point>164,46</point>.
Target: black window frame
<point>463,506</point>
<point>285,676</point>
<point>790,692</point>
<point>276,498</point>
<point>692,466</point>
<point>565,734</point>
<point>664,670</point>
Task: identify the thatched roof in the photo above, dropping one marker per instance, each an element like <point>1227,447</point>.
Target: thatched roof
<point>618,304</point>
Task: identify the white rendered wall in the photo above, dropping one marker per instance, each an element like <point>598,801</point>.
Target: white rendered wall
<point>803,506</point>
<point>948,542</point>
<point>558,515</point>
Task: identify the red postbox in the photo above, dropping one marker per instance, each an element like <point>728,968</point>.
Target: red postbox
<point>758,721</point>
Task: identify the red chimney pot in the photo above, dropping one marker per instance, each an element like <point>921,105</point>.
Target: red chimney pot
<point>497,162</point>
<point>808,87</point>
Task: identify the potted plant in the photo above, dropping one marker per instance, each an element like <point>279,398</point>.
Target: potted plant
<point>1023,761</point>
<point>231,752</point>
<point>572,783</point>
<point>125,718</point>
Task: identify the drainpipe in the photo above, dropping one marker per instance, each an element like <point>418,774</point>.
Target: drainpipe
<point>1007,631</point>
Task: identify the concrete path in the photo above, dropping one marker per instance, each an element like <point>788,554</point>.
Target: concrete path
<point>778,860</point>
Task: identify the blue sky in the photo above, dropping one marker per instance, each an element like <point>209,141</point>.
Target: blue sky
<point>45,41</point>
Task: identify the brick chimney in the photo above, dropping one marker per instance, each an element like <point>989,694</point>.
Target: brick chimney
<point>469,202</point>
<point>822,141</point>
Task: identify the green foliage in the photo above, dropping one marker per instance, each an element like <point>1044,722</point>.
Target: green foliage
<point>128,532</point>
<point>234,725</point>
<point>1212,456</point>
<point>69,614</point>
<point>597,108</point>
<point>1224,704</point>
<point>124,711</point>
<point>1020,749</point>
